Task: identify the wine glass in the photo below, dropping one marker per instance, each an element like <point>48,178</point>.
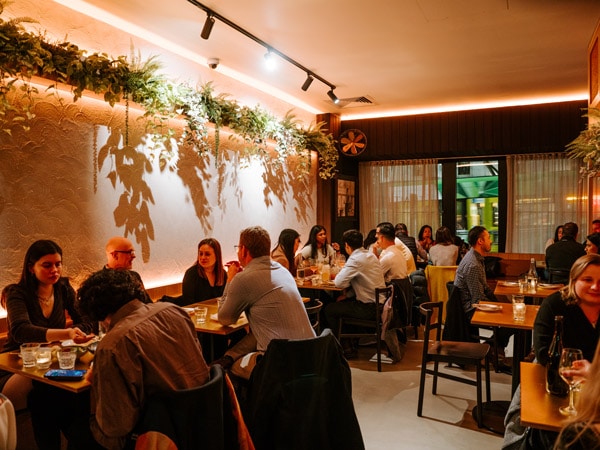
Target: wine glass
<point>567,357</point>
<point>313,265</point>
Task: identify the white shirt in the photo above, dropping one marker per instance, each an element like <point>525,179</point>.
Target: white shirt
<point>363,272</point>
<point>408,256</point>
<point>393,263</point>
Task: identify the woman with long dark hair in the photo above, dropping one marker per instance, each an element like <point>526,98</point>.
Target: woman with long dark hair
<point>36,307</point>
<point>207,277</point>
<point>318,248</point>
<point>285,251</point>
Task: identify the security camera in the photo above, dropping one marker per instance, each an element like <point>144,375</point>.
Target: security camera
<point>213,63</point>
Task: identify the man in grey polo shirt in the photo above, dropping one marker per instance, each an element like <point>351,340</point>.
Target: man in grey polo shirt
<point>267,293</point>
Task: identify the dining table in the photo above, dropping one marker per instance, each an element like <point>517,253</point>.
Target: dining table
<point>212,327</point>
<point>496,314</point>
<point>11,362</point>
<point>539,409</point>
<point>509,288</point>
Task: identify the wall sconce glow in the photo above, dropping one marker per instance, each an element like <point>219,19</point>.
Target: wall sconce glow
<point>270,62</point>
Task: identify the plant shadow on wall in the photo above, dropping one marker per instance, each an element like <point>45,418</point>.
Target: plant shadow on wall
<point>275,142</point>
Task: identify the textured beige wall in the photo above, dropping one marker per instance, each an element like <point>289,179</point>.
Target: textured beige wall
<point>51,186</point>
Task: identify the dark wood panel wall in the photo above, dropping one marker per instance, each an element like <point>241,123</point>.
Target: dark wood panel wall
<point>464,134</point>
<point>487,132</point>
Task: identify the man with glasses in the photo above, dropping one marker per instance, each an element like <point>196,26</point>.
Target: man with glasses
<point>120,255</point>
<point>267,292</point>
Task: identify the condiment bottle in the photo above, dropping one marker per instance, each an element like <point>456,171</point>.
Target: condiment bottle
<point>555,385</point>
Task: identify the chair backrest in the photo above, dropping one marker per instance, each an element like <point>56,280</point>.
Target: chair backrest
<point>191,418</point>
<point>456,325</point>
<point>558,275</point>
<point>313,309</point>
<point>437,277</point>
<point>433,321</point>
<point>300,396</point>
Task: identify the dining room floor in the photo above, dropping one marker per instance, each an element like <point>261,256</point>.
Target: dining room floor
<point>386,405</point>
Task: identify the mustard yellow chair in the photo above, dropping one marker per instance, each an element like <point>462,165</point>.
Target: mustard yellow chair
<point>437,277</point>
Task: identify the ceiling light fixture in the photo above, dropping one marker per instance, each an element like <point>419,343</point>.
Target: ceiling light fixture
<point>212,15</point>
<point>308,82</point>
<point>270,60</point>
<point>208,26</point>
<point>332,95</point>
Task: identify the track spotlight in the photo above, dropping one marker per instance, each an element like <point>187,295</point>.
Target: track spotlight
<point>270,60</point>
<point>333,97</point>
<point>208,26</point>
<point>308,82</point>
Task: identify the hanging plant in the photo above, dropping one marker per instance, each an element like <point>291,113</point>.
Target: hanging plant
<point>24,55</point>
<point>587,145</point>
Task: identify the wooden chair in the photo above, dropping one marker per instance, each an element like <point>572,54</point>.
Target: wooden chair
<point>460,353</point>
<point>381,295</point>
<point>558,276</point>
<point>313,309</point>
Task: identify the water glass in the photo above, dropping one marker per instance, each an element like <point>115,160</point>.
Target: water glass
<point>200,313</point>
<point>519,308</point>
<point>43,358</point>
<point>29,353</point>
<point>522,284</point>
<point>66,358</point>
<point>300,274</point>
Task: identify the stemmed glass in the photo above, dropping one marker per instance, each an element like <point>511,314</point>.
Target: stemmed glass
<point>567,357</point>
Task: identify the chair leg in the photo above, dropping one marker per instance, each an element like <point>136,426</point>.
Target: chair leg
<point>479,402</point>
<point>435,377</point>
<point>487,378</point>
<point>421,390</point>
<point>379,352</point>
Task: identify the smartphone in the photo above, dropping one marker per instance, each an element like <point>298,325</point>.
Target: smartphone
<point>65,375</point>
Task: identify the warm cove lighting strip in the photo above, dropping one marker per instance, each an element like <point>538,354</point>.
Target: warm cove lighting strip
<point>471,106</point>
<point>117,22</point>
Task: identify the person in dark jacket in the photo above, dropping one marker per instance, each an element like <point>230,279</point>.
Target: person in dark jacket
<point>562,255</point>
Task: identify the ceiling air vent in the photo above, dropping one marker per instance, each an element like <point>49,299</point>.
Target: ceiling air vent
<point>353,102</point>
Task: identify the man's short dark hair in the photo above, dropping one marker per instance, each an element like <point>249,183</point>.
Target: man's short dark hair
<point>570,229</point>
<point>475,233</point>
<point>386,229</point>
<point>353,238</point>
<point>105,291</point>
<point>256,240</point>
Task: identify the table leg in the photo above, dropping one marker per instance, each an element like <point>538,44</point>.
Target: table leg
<point>520,343</point>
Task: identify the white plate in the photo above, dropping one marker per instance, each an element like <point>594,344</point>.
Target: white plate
<point>508,283</point>
<point>549,286</point>
<point>488,308</point>
<point>190,311</point>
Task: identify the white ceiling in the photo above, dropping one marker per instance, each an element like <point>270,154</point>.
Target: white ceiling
<point>404,55</point>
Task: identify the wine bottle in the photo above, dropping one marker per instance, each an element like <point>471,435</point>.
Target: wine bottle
<point>555,385</point>
<point>532,276</point>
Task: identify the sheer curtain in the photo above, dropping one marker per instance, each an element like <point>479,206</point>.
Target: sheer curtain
<point>399,191</point>
<point>543,191</point>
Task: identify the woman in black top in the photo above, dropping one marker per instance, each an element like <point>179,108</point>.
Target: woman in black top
<point>206,278</point>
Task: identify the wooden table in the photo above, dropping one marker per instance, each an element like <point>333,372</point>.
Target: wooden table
<point>213,327</point>
<point>11,362</point>
<point>504,318</point>
<point>508,290</point>
<point>538,408</point>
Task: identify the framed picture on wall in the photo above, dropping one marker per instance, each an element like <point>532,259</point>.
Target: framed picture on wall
<point>346,198</point>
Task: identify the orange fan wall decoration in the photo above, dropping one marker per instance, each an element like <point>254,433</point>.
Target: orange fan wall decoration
<point>353,142</point>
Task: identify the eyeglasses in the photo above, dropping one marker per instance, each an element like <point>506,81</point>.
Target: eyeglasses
<point>128,252</point>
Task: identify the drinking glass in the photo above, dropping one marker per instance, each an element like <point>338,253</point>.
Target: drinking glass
<point>519,308</point>
<point>200,312</point>
<point>29,353</point>
<point>567,357</point>
<point>67,357</point>
<point>313,265</point>
<point>43,358</point>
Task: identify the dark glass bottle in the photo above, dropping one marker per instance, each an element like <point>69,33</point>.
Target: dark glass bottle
<point>555,385</point>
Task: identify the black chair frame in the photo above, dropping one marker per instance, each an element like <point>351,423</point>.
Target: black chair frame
<point>460,353</point>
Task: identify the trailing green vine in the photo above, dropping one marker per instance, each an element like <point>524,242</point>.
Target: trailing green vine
<point>587,145</point>
<point>25,55</point>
